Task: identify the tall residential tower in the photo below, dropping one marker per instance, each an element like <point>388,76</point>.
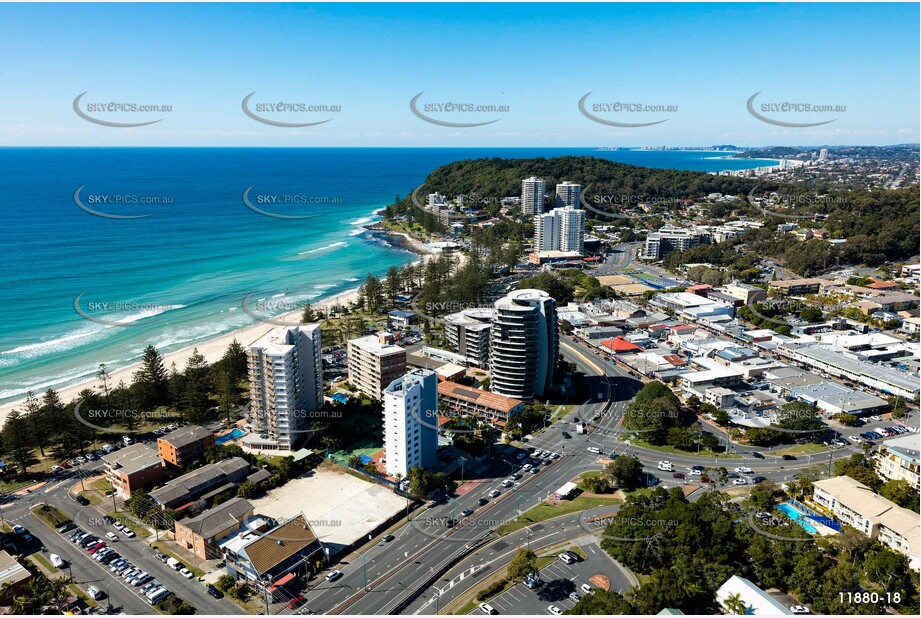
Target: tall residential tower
<point>410,422</point>
<point>523,345</point>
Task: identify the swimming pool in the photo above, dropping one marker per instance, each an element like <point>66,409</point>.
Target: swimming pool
<point>227,437</point>
<point>790,511</point>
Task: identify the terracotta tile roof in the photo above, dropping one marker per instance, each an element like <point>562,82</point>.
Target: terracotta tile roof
<point>619,344</point>
<point>280,543</point>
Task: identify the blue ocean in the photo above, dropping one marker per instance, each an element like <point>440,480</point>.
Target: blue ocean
<point>179,275</point>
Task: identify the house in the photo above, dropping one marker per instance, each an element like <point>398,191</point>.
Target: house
<point>401,319</point>
<point>267,559</point>
<point>755,600</point>
<point>798,287</point>
<point>14,578</point>
<point>619,345</point>
<point>203,483</point>
<point>202,532</point>
<point>184,446</point>
<point>134,467</point>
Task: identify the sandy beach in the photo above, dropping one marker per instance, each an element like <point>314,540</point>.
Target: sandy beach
<point>213,349</point>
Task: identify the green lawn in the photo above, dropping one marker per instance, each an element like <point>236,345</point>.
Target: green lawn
<point>42,561</point>
<point>674,451</point>
<point>160,546</point>
<point>51,515</point>
<point>545,511</point>
<point>803,449</point>
<point>124,519</point>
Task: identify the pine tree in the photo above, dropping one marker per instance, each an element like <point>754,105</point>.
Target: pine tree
<point>17,440</point>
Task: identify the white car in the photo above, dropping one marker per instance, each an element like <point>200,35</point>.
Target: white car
<point>666,465</point>
<point>57,561</point>
<point>526,467</point>
<point>695,473</point>
<point>586,588</point>
<point>118,526</point>
<point>799,609</point>
<point>554,455</point>
<point>187,573</point>
<point>740,482</point>
<point>508,483</point>
<point>855,439</point>
<point>94,592</point>
<point>486,608</point>
<point>128,532</point>
<point>556,611</point>
<point>495,493</point>
<point>111,536</point>
<point>596,451</point>
<point>743,470</point>
<point>334,575</point>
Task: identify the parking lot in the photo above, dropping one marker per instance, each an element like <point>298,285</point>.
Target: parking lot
<point>560,580</point>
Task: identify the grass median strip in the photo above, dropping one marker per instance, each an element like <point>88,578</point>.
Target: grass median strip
<point>51,516</point>
<point>547,510</point>
<point>160,546</point>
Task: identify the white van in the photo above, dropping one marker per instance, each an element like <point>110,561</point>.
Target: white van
<point>157,595</point>
<point>174,564</point>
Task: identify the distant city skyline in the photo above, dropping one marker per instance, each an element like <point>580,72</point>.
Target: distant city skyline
<point>713,74</point>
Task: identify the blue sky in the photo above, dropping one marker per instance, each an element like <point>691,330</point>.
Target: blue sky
<point>538,59</point>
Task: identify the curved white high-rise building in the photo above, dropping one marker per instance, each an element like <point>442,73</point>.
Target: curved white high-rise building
<point>523,345</point>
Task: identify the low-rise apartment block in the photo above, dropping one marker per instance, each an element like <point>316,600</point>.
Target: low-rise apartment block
<point>897,459</point>
<point>460,400</point>
<point>184,446</point>
<point>855,504</point>
<point>202,484</point>
<point>201,533</point>
<point>134,467</point>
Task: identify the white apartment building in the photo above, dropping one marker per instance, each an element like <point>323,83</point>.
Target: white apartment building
<point>286,385</point>
<point>524,345</point>
<point>374,362</point>
<point>669,238</point>
<point>898,459</point>
<point>410,422</point>
<point>855,504</point>
<point>567,194</point>
<point>561,229</point>
<point>532,196</point>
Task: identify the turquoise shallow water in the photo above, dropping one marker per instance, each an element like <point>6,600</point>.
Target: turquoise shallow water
<point>179,276</point>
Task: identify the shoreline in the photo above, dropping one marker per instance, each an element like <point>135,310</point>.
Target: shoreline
<point>214,348</point>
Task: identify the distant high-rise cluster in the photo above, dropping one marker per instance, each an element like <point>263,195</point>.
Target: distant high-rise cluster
<point>532,196</point>
<point>561,229</point>
<point>567,194</point>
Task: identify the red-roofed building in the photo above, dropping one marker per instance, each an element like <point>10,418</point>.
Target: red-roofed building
<point>879,284</point>
<point>619,345</point>
<point>675,360</point>
<point>700,290</point>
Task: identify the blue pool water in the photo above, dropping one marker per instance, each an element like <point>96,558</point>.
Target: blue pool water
<point>340,397</point>
<point>233,435</point>
<point>799,518</point>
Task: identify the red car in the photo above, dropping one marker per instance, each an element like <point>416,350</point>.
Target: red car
<point>94,548</point>
<point>65,465</point>
<point>706,479</point>
<point>296,602</point>
<point>678,475</point>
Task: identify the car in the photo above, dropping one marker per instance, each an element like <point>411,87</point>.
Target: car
<point>81,459</point>
<point>532,581</point>
<point>758,479</point>
<point>854,439</point>
<point>128,532</point>
<point>566,435</point>
<point>508,483</point>
<point>333,575</point>
<point>595,450</point>
<point>789,457</point>
<point>537,453</point>
<point>80,500</point>
<point>67,527</point>
<point>109,519</point>
<point>108,558</point>
<point>701,468</point>
<point>799,609</point>
<point>296,601</point>
<point>92,549</point>
<point>186,573</point>
<point>88,541</point>
<point>521,456</point>
<point>130,574</point>
<point>566,558</point>
<point>118,526</point>
<point>695,473</point>
<point>554,455</point>
<point>586,588</point>
<point>678,475</point>
<point>157,595</point>
<point>574,597</point>
<point>388,538</point>
<point>102,553</point>
<point>19,529</point>
<point>113,566</point>
<point>162,557</point>
<point>466,512</point>
<point>91,457</point>
<point>556,611</point>
<point>151,585</point>
<point>486,608</point>
<point>574,555</point>
<point>217,594</point>
<point>56,561</point>
<point>140,578</point>
<point>173,564</point>
<point>95,593</point>
<point>665,465</point>
<point>757,455</point>
<point>535,470</point>
<point>56,469</point>
<point>740,482</point>
<point>526,467</point>
<point>127,440</point>
<point>483,501</point>
<point>494,493</point>
<point>111,536</point>
<point>706,479</point>
<point>743,470</point>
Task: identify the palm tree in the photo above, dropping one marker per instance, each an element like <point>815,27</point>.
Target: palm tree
<point>735,605</point>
